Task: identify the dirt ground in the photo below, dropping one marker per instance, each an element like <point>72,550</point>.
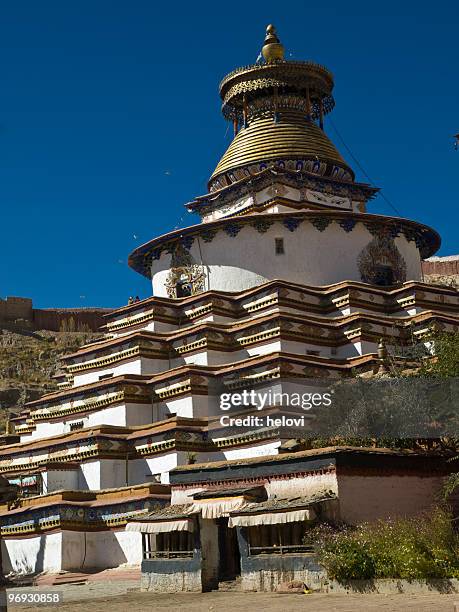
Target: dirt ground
<point>252,602</point>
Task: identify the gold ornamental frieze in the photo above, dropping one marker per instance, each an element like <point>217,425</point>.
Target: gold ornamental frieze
<point>132,320</point>
<point>77,406</point>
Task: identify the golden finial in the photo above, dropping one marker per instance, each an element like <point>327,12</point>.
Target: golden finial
<point>272,49</point>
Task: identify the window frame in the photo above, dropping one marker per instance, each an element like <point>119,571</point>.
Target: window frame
<point>168,545</point>
<point>282,542</point>
<point>279,245</point>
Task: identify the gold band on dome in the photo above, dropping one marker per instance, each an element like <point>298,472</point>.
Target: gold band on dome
<point>292,138</point>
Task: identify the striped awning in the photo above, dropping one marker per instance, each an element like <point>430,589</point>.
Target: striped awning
<point>272,518</point>
<point>211,508</point>
<point>161,526</point>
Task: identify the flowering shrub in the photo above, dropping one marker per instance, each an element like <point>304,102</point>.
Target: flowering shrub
<point>422,547</point>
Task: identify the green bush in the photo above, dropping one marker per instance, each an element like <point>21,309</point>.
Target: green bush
<point>422,547</point>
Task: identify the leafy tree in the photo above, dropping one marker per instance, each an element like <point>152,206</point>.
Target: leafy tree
<point>445,360</point>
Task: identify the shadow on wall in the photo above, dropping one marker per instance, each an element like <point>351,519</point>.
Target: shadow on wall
<point>6,561</point>
<point>140,472</point>
<point>67,550</point>
<point>28,557</point>
<point>91,550</point>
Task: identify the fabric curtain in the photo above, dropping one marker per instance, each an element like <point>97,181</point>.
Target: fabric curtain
<point>217,507</point>
<point>161,526</point>
<point>271,518</point>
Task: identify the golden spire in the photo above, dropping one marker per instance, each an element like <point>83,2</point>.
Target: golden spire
<point>272,49</point>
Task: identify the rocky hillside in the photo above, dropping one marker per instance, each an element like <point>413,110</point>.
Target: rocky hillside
<point>451,280</point>
<point>442,271</point>
<point>28,360</point>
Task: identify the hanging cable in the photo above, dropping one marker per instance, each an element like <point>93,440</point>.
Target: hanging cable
<point>363,169</point>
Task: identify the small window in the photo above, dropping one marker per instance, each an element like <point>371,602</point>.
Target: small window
<point>76,425</point>
<point>279,539</point>
<point>383,276</point>
<point>169,545</point>
<point>279,246</point>
<point>314,353</point>
<point>105,376</point>
<point>183,289</point>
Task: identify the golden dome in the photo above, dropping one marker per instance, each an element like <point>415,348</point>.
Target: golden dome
<point>293,137</point>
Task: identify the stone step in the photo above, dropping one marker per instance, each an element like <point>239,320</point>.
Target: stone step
<point>230,585</point>
<point>67,578</point>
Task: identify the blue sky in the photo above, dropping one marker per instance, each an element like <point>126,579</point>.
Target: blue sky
<point>110,122</point>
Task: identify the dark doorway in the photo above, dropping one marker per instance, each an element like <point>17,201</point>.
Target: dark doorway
<point>183,289</point>
<point>384,276</point>
<point>230,560</point>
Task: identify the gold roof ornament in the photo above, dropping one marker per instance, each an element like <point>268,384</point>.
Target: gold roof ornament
<point>277,109</point>
<point>272,50</point>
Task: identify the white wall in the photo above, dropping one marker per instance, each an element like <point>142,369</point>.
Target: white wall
<point>35,554</point>
<point>101,549</point>
<point>189,406</point>
<point>152,325</point>
<point>122,415</point>
<point>139,414</point>
<point>102,474</point>
<point>113,473</point>
<point>55,480</point>
<point>44,430</point>
<point>117,548</point>
<point>311,257</point>
<point>288,487</point>
<point>138,365</point>
<point>271,448</point>
<point>306,485</point>
<point>162,464</point>
<point>89,376</point>
<point>142,470</point>
<point>89,476</point>
<point>71,550</point>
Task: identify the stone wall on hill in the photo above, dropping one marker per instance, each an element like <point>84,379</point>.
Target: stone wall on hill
<point>442,270</point>
<point>18,312</point>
